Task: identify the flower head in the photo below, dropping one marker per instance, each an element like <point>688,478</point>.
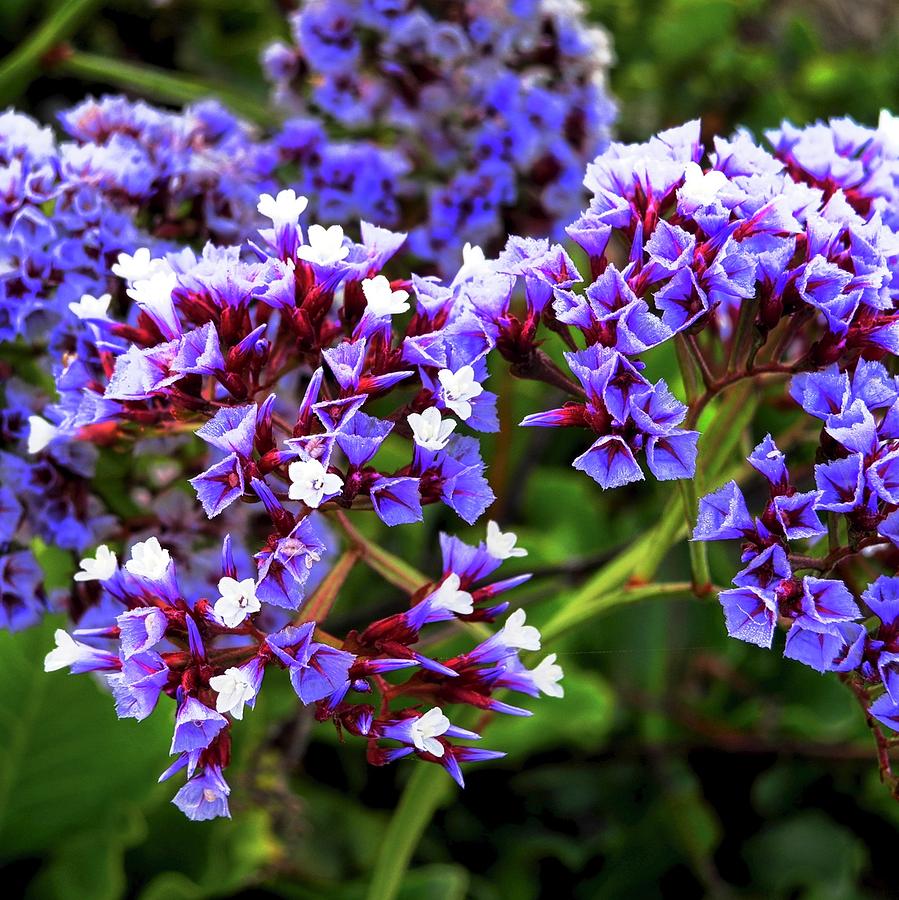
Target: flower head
<point>382,300</point>
<point>237,600</point>
<point>311,482</point>
<point>430,430</point>
<point>101,567</point>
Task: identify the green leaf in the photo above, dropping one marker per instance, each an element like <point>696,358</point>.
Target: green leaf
<point>65,759</point>
<point>90,863</point>
<point>235,852</point>
<point>437,882</point>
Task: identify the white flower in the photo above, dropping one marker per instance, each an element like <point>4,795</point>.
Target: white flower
<point>67,652</point>
<point>702,188</point>
<point>99,568</point>
<point>40,433</point>
<point>310,481</point>
<point>382,299</point>
<point>90,307</point>
<point>546,677</point>
<point>154,290</point>
<point>325,246</point>
<point>458,388</point>
<point>137,267</point>
<point>888,132</point>
<point>502,546</point>
<point>237,601</point>
<point>285,209</point>
<point>474,264</point>
<point>234,690</point>
<point>429,429</point>
<point>518,636</point>
<point>448,596</point>
<point>427,728</point>
<point>148,560</point>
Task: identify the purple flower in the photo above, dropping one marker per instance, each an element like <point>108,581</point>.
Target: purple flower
<point>220,485</point>
<point>316,670</point>
<point>196,725</point>
<point>750,614</point>
<point>723,515</point>
<point>204,796</point>
<point>137,687</point>
<point>141,629</point>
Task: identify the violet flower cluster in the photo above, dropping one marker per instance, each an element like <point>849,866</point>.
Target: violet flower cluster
<point>126,176</point>
<point>458,121</point>
<point>834,625</point>
<point>210,656</point>
<point>276,354</point>
<point>750,271</point>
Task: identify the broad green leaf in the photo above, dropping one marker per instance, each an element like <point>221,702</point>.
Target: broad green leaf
<point>65,759</point>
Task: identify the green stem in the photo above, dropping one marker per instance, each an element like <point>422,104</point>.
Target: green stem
<point>320,603</point>
<point>19,67</point>
<point>688,370</point>
<point>699,557</point>
<point>426,789</point>
<point>161,85</point>
<point>742,339</point>
<point>391,568</point>
<point>612,600</point>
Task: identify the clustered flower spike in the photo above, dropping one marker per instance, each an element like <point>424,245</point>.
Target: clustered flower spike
<point>751,265</point>
<point>834,625</point>
<point>489,113</point>
<point>128,182</point>
<point>277,351</point>
<point>210,656</point>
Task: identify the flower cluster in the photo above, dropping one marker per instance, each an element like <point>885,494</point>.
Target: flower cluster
<point>751,272</point>
<point>842,155</point>
<point>211,655</point>
<point>856,478</point>
<point>488,112</point>
<point>127,176</point>
<point>275,355</point>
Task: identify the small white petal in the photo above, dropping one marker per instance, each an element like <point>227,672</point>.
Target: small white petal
<point>40,433</point>
<point>502,546</point>
<point>149,560</point>
<point>101,567</point>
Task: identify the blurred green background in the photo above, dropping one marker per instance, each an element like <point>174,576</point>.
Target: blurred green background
<point>679,764</point>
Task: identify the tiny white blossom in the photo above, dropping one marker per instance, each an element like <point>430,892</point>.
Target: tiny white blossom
<point>500,545</point>
<point>515,634</point>
<point>237,601</point>
<point>459,388</point>
<point>156,288</point>
<point>310,481</point>
<point>149,560</point>
<point>429,429</point>
<point>547,675</point>
<point>137,267</point>
<point>285,209</point>
<point>40,433</point>
<point>382,300</point>
<point>100,567</point>
<point>474,264</point>
<point>702,188</point>
<point>427,728</point>
<point>90,307</point>
<point>234,690</point>
<point>67,651</point>
<point>448,596</point>
<point>325,246</point>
